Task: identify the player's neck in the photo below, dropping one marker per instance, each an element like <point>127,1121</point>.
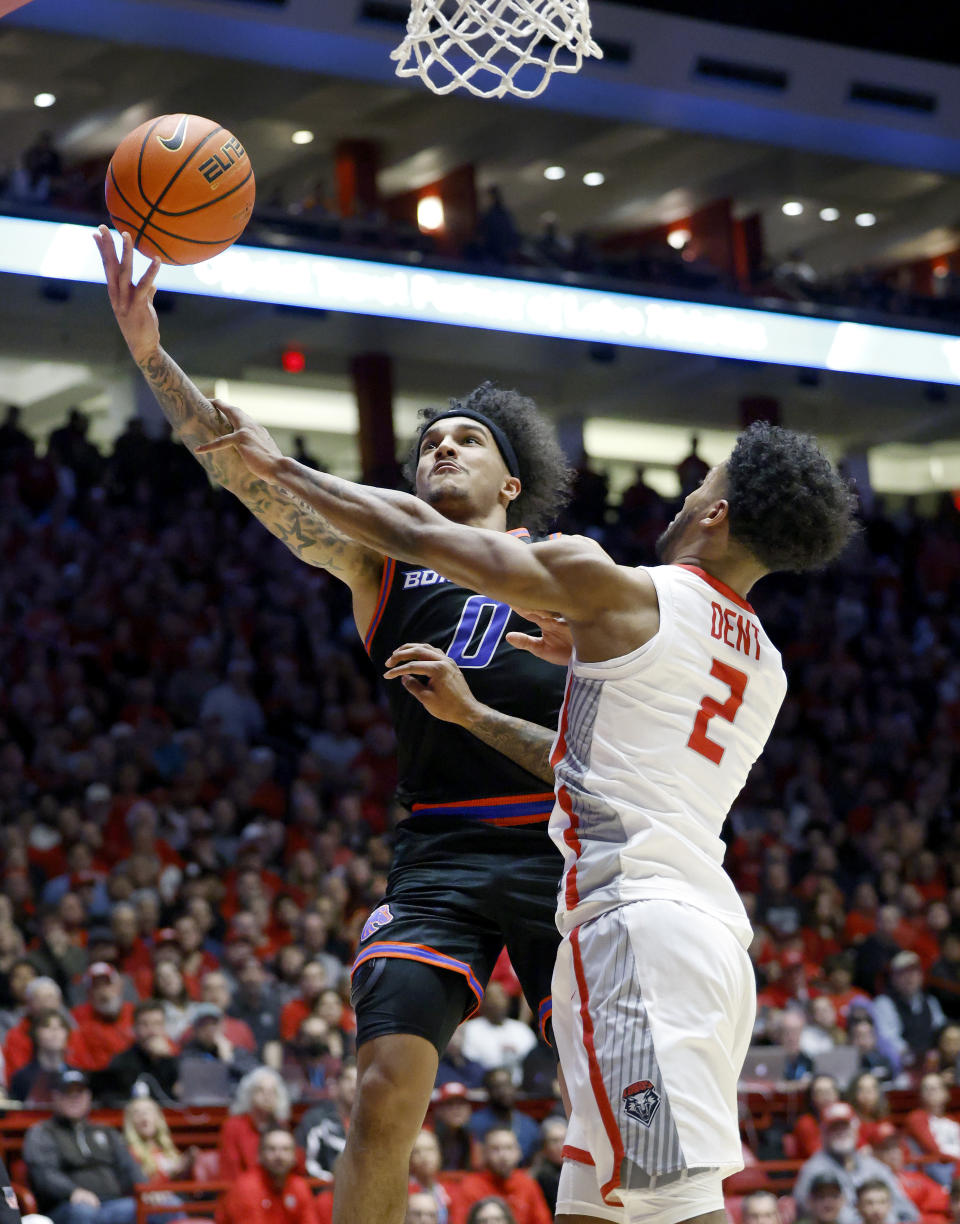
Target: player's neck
<point>739,573</point>
<point>494,519</point>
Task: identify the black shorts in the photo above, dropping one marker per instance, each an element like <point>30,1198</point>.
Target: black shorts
<point>454,898</point>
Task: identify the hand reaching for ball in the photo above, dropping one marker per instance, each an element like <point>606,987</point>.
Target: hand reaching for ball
<point>132,303</point>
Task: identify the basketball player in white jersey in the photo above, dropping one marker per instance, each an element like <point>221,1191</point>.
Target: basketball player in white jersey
<point>673,688</point>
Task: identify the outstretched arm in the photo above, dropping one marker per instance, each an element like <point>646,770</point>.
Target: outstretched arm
<point>571,575</point>
<point>196,419</point>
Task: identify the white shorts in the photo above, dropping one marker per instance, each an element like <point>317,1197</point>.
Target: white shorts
<point>653,1010</point>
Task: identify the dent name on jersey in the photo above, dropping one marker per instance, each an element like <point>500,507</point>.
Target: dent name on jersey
<point>735,630</point>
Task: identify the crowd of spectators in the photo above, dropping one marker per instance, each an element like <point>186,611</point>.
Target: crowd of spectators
<point>498,243</point>
<point>196,818</point>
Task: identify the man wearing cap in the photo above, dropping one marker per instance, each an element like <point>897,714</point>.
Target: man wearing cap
<point>459,1148</point>
<point>149,1060</point>
<point>104,1022</point>
<point>931,1199</point>
<point>80,1172</point>
<point>908,1018</point>
<point>209,1042</point>
<point>841,1159</point>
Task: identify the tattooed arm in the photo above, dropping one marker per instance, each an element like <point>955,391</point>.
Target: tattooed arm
<point>439,685</point>
<point>196,420</point>
<point>525,743</point>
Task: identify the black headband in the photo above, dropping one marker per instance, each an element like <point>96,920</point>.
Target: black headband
<point>504,444</point>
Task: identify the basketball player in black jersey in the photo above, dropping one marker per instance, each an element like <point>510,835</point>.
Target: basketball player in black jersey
<point>474,868</point>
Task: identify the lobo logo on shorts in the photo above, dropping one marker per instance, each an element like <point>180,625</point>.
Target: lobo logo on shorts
<point>379,918</point>
<point>641,1101</point>
<point>10,1198</point>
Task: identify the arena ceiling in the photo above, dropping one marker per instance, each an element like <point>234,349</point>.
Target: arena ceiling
<point>654,174</point>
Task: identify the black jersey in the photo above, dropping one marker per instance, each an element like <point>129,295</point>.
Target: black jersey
<point>443,769</point>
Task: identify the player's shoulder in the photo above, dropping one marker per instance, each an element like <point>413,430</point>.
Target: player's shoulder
<point>561,549</point>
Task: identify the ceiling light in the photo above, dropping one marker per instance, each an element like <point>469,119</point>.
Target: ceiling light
<point>679,238</point>
<point>304,136</point>
<point>43,100</point>
<point>430,213</point>
<point>792,208</point>
<point>829,214</point>
<point>865,219</point>
<point>594,178</point>
<point>554,173</point>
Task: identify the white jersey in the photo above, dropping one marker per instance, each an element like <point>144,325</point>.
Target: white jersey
<point>654,747</point>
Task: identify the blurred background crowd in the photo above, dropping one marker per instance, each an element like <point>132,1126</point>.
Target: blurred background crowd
<point>196,780</point>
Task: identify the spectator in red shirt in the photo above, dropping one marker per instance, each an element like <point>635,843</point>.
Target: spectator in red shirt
<point>42,995</point>
<point>935,1133</point>
<point>929,1196</point>
<point>270,1192</point>
<point>839,988</point>
<point>313,982</point>
<point>195,961</point>
<point>451,1125</point>
<point>861,919</point>
<point>133,955</point>
<point>500,1177</point>
<point>791,988</point>
<point>823,1091</point>
<point>215,988</point>
<point>104,1023</point>
<point>262,1102</point>
<point>869,1103</point>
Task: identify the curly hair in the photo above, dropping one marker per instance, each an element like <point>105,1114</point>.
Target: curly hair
<point>788,504</point>
<point>545,475</point>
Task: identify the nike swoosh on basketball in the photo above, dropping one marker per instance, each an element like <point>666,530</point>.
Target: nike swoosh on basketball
<point>175,142</point>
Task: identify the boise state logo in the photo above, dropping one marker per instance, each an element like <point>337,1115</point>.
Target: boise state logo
<point>641,1101</point>
<point>379,918</point>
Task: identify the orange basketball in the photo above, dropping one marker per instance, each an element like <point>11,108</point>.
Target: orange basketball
<point>182,186</point>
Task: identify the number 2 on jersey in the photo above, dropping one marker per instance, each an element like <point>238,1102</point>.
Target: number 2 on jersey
<point>736,682</point>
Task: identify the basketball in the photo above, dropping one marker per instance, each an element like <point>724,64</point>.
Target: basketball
<point>182,186</point>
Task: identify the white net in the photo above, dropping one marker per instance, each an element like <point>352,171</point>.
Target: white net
<point>494,47</point>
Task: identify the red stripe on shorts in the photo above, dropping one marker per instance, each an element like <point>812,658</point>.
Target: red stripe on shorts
<point>596,1076</point>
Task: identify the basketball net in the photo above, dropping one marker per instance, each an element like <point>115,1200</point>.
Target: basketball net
<point>483,45</point>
